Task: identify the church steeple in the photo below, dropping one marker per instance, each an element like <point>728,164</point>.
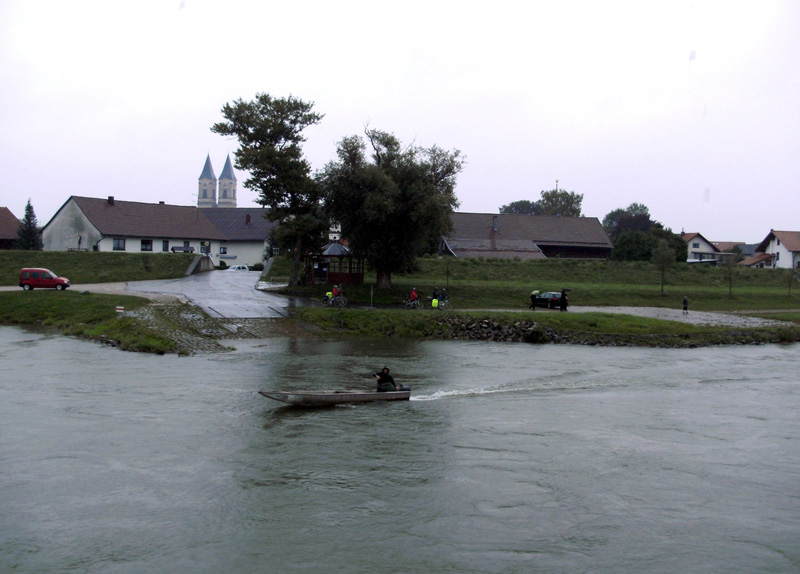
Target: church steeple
<point>227,185</point>
<point>207,186</point>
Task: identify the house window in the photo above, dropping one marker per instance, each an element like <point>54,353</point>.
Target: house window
<point>165,245</point>
<point>119,244</point>
<point>779,241</point>
<point>186,244</point>
<point>695,246</point>
<point>147,244</point>
<point>223,250</point>
<point>276,251</point>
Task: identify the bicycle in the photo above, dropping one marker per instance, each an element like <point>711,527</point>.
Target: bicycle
<point>409,304</point>
<point>336,301</point>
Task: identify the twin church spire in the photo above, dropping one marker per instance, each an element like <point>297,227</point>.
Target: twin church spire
<point>207,193</point>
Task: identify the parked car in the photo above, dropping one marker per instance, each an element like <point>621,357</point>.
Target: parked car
<point>549,299</point>
<point>38,278</point>
<point>239,268</point>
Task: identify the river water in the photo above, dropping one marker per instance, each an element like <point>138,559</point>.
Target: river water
<point>509,458</point>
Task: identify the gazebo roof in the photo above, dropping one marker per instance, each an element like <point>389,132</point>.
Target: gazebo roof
<point>336,249</point>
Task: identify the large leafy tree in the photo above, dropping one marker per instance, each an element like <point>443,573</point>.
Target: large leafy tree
<point>635,234</point>
<point>522,207</point>
<point>552,202</point>
<point>560,202</point>
<point>270,134</point>
<point>393,205</point>
<point>29,237</point>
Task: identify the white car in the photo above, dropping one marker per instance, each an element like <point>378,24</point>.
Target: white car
<point>239,268</point>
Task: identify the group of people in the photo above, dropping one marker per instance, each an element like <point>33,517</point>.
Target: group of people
<point>435,298</point>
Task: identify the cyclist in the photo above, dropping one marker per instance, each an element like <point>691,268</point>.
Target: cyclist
<point>414,295</point>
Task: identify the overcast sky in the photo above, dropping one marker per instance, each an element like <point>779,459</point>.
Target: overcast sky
<point>692,108</point>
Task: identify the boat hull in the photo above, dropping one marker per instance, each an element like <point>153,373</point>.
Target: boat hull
<point>329,398</point>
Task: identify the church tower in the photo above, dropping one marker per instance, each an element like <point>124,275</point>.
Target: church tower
<point>227,185</point>
<point>207,186</point>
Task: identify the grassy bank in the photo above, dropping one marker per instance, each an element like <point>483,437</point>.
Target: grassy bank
<point>504,284</point>
<point>95,267</point>
<point>91,316</point>
<point>581,328</point>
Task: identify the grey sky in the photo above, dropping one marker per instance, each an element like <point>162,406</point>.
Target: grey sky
<point>688,107</point>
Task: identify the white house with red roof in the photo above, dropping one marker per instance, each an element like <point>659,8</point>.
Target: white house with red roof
<point>784,246</point>
<point>699,248</point>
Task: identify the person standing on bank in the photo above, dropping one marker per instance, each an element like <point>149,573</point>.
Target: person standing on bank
<point>685,305</point>
<point>533,295</point>
<point>562,302</point>
<point>386,381</point>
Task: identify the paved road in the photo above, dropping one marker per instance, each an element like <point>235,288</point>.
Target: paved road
<point>230,294</point>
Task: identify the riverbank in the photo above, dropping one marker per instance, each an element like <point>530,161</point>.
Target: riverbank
<point>168,324</point>
<point>583,328</point>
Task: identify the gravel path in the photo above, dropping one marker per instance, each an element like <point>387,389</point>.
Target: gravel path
<point>694,317</point>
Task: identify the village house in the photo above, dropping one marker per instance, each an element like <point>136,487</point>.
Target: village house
<point>783,246</point>
<point>9,226</point>
<point>92,224</point>
<point>515,236</point>
<point>700,249</point>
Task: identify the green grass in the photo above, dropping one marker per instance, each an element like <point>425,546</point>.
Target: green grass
<point>91,316</point>
<point>504,284</point>
<point>95,267</point>
<point>586,328</point>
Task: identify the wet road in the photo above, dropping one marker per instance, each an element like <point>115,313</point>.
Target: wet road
<point>229,294</point>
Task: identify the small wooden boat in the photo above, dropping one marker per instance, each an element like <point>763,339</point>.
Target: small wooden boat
<point>328,398</point>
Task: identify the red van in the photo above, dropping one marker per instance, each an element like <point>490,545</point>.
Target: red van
<point>30,278</point>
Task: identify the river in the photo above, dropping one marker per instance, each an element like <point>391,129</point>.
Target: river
<point>509,458</point>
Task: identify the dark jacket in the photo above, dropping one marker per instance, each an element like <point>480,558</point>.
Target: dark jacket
<point>385,382</point>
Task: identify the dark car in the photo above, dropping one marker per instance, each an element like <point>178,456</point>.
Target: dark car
<point>549,299</point>
<point>38,278</point>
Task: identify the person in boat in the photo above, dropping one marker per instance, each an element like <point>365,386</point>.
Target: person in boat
<point>386,381</point>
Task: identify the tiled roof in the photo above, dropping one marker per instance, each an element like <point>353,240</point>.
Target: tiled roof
<point>525,232</point>
<point>134,219</point>
<point>687,237</point>
<point>757,258</point>
<point>233,222</point>
<point>789,239</point>
<point>9,224</point>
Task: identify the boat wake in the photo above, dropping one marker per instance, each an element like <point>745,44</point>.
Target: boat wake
<point>518,387</point>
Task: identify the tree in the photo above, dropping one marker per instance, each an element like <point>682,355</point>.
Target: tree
<point>394,205</point>
<point>270,134</point>
<point>522,207</point>
<point>633,245</point>
<point>729,261</point>
<point>553,202</point>
<point>560,202</point>
<point>663,258</point>
<point>635,217</point>
<point>29,237</point>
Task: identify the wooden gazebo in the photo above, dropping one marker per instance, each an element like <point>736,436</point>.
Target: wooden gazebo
<point>334,264</point>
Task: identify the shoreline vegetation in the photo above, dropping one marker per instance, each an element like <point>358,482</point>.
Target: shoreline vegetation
<point>491,296</point>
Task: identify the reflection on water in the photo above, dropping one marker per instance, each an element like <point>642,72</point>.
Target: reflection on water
<point>508,458</point>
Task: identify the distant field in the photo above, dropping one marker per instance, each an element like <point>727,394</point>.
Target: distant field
<point>504,284</point>
<point>95,267</point>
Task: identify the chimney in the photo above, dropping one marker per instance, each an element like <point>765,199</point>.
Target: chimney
<point>111,200</point>
<point>247,219</point>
